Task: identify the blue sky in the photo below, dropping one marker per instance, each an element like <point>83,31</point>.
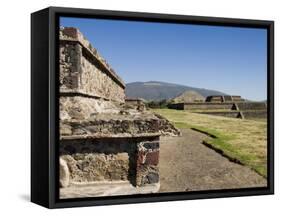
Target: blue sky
<point>228,59</point>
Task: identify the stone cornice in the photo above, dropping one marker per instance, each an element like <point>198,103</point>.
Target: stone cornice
<point>70,34</point>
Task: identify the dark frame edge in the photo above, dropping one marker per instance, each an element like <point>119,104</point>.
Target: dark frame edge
<point>270,91</point>
<point>40,108</point>
<point>160,17</point>
<point>163,198</point>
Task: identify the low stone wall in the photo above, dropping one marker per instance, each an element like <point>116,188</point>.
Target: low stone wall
<point>110,159</point>
<point>178,106</point>
<point>252,106</point>
<point>201,106</point>
<point>207,106</point>
<point>250,114</point>
<point>237,98</point>
<point>255,114</point>
<point>215,98</point>
<point>228,98</point>
<point>224,98</point>
<point>225,114</point>
<point>110,147</point>
<point>83,70</point>
<point>245,110</point>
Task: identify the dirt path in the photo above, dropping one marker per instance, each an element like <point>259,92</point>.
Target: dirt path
<point>187,165</point>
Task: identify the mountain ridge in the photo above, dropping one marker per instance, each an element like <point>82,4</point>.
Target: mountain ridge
<point>157,90</point>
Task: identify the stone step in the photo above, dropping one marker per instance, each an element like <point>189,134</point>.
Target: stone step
<point>117,125</point>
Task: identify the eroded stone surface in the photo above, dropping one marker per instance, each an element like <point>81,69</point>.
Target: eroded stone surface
<point>64,173</point>
<point>89,167</point>
<point>106,159</point>
<point>137,104</point>
<point>81,108</point>
<point>72,35</point>
<point>115,124</point>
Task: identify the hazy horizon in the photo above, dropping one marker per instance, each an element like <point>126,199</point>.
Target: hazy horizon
<point>231,60</point>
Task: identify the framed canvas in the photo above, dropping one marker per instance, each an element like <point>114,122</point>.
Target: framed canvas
<point>139,107</point>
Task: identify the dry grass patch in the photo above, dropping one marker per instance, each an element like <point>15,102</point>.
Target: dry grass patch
<point>244,140</point>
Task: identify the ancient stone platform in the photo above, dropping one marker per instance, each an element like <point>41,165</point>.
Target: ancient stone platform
<point>227,106</point>
<point>107,146</point>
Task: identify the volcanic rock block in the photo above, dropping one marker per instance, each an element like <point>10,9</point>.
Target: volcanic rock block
<point>147,163</point>
<point>112,159</point>
<point>108,147</point>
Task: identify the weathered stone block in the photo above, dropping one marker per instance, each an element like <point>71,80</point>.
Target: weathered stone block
<point>152,158</point>
<point>109,159</point>
<point>147,163</point>
<point>81,108</point>
<point>152,177</point>
<point>91,167</point>
<point>70,32</point>
<point>147,175</point>
<point>64,173</point>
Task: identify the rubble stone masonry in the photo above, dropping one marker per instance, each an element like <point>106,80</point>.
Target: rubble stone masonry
<point>84,71</point>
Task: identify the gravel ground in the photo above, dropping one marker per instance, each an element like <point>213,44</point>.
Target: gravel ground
<point>188,165</point>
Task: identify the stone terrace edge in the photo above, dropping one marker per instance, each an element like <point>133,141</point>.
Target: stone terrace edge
<point>74,35</point>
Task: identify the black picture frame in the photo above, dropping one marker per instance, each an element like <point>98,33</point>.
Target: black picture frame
<point>44,106</point>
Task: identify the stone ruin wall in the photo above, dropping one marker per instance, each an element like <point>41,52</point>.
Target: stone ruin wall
<point>201,106</point>
<point>238,108</point>
<point>235,114</point>
<point>214,98</point>
<point>194,106</point>
<point>101,137</point>
<point>87,83</point>
<point>224,98</point>
<point>111,159</point>
<point>237,98</point>
<point>255,114</point>
<point>252,106</point>
<point>81,107</point>
<point>84,71</point>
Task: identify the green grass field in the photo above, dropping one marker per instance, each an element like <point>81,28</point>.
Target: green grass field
<point>243,140</point>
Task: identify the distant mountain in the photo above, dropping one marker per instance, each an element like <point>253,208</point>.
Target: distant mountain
<point>154,90</point>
